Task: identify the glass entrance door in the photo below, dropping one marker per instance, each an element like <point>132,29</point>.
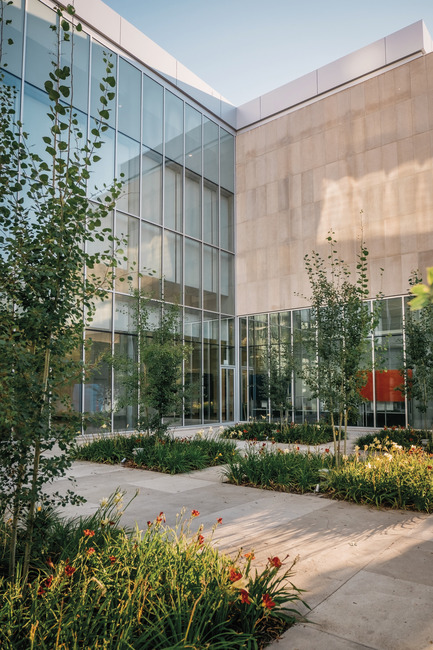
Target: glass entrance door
<point>227,394</point>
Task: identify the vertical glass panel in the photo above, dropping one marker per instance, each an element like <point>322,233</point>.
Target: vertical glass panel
<point>173,196</point>
<point>127,233</point>
<point>210,278</point>
<point>125,314</point>
<point>41,43</point>
<point>305,407</point>
<point>125,415</point>
<point>13,82</point>
<point>193,139</point>
<point>243,355</point>
<point>192,273</point>
<point>151,186</point>
<point>258,346</point>
<point>227,283</point>
<point>97,390</point>
<point>210,213</point>
<point>68,404</point>
<point>227,160</point>
<point>228,341</point>
<point>76,51</point>
<point>192,205</point>
<point>128,164</point>
<point>36,120</point>
<point>150,267</point>
<point>12,54</point>
<point>390,402</point>
<point>152,114</point>
<point>103,247</point>
<point>173,127</point>
<point>227,221</point>
<point>102,317</point>
<point>193,375</point>
<point>210,368</point>
<point>172,269</point>
<point>99,71</point>
<point>102,172</point>
<point>227,394</point>
<point>210,151</point>
<point>128,100</point>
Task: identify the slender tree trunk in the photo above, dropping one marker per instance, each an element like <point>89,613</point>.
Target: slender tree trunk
<point>334,438</point>
<point>15,520</point>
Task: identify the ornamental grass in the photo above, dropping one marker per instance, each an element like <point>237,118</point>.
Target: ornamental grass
<point>404,436</point>
<point>154,589</point>
<point>303,434</point>
<point>159,453</point>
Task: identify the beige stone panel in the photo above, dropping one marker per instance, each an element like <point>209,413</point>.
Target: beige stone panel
<point>248,144</point>
<point>373,135</point>
<point>428,59</point>
<point>392,279</point>
<point>405,156</point>
<point>317,117</point>
<point>420,113</point>
<point>283,194</point>
<point>356,166</point>
<point>240,147</point>
<point>391,205</point>
<point>424,261</point>
<point>307,154</point>
<point>251,203</point>
<point>376,282</point>
<point>246,237</point>
<point>388,124</point>
<point>373,203</point>
<point>295,190</point>
<point>271,167</point>
<point>331,144</point>
<point>425,243</point>
<point>408,234</point>
<point>430,108</point>
<point>424,198</point>
<point>272,198</point>
<point>418,76</point>
<point>357,101</point>
<point>404,119</point>
<point>302,122</point>
<point>259,135</point>
<point>422,151</point>
<point>261,170</point>
<point>372,95</point>
<point>407,194</point>
<point>241,269</point>
<point>319,176</point>
<point>261,200</point>
<point>357,135</point>
<point>402,82</point>
<point>295,164</point>
<point>330,106</point>
<point>392,236</point>
<point>344,140</point>
<point>373,164</point>
<point>250,174</point>
<point>240,178</point>
<point>319,155</point>
<point>283,161</point>
<point>386,88</point>
<point>273,294</point>
<point>343,105</point>
<point>309,222</point>
<point>284,226</point>
<point>390,160</point>
<point>241,207</point>
<point>307,185</point>
<point>272,130</point>
<point>296,224</point>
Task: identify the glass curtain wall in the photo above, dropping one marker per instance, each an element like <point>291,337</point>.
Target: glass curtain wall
<point>175,215</point>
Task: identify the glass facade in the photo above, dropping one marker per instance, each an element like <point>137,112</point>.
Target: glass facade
<point>175,212</point>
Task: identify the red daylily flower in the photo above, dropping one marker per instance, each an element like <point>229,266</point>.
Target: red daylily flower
<point>326,451</point>
<point>195,513</point>
<point>69,570</point>
<point>250,556</point>
<point>267,601</point>
<point>245,597</point>
<point>90,550</point>
<point>234,575</point>
<point>200,539</point>
<point>275,562</point>
<point>160,518</point>
<point>88,533</point>
<point>112,559</point>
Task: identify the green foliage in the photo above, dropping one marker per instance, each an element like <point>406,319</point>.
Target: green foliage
<point>161,588</point>
<point>338,339</point>
<point>303,434</point>
<point>159,453</point>
<point>423,292</point>
<point>45,224</point>
<point>153,382</point>
<point>280,364</point>
<point>277,469</point>
<point>406,437</point>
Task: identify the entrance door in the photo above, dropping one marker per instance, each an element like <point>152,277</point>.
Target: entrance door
<point>227,394</point>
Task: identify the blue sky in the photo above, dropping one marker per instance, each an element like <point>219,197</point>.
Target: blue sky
<point>244,48</point>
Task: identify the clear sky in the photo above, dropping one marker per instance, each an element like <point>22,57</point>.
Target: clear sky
<point>245,48</point>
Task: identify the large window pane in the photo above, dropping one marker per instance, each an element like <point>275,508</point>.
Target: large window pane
<point>305,406</point>
<point>97,390</point>
<point>150,267</point>
<point>227,283</point>
<point>125,415</point>
<point>41,43</point>
<point>128,99</point>
<point>102,317</point>
<point>193,139</point>
<point>103,247</point>
<point>227,163</point>
<point>210,213</point>
<point>13,31</point>
<point>37,122</point>
<point>210,151</point>
<point>125,314</point>
<point>172,269</point>
<point>151,186</point>
<point>152,114</point>
<point>127,231</point>
<point>102,172</point>
<point>192,205</point>
<point>192,273</point>
<point>210,278</point>
<point>77,51</point>
<point>210,368</point>
<point>227,221</point>
<point>193,376</point>
<point>99,71</point>
<point>128,172</point>
<point>173,196</point>
<point>258,346</point>
<point>228,341</point>
<point>173,127</point>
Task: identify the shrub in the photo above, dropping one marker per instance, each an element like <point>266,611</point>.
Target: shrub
<point>302,434</point>
<point>276,469</point>
<point>157,589</point>
<point>159,453</point>
<point>406,437</point>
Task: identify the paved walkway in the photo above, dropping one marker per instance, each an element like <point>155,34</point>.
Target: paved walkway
<point>367,573</point>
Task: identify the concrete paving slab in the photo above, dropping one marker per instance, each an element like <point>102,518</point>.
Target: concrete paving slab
<point>307,637</point>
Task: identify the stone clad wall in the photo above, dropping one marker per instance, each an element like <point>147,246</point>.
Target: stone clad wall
<point>368,147</point>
